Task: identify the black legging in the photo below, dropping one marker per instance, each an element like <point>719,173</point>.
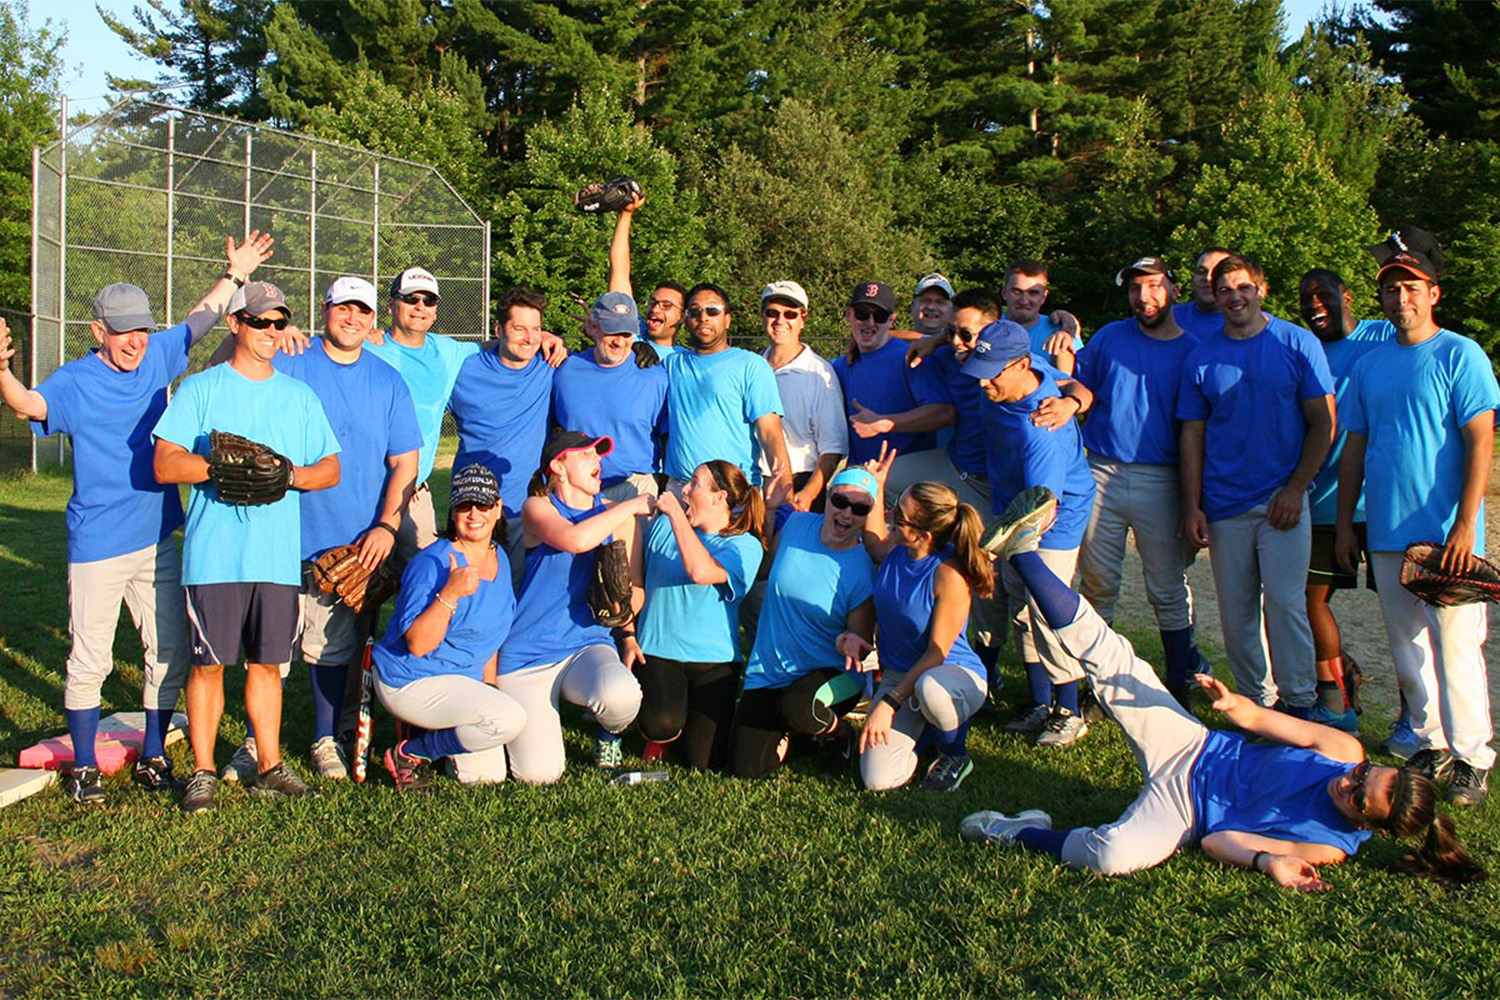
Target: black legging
<point>767,715</point>
<point>691,700</point>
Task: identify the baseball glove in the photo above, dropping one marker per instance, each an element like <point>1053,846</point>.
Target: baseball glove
<point>1422,574</point>
<point>246,472</point>
<point>603,197</point>
<point>609,588</point>
<point>338,571</point>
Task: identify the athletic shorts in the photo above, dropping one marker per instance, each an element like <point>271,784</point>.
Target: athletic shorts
<point>258,619</point>
<point>1324,569</point>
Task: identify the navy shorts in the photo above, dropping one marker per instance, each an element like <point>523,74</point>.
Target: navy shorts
<point>258,619</point>
<point>1324,569</point>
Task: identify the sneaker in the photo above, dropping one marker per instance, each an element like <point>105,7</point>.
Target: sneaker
<point>1471,785</point>
<point>328,759</point>
<point>947,773</point>
<point>1032,718</point>
<point>1020,528</point>
<point>1063,729</point>
<point>244,765</point>
<point>1354,679</point>
<point>1434,764</point>
<point>1402,743</point>
<point>654,752</point>
<point>997,828</point>
<point>154,774</point>
<point>411,774</point>
<point>199,797</point>
<point>84,786</point>
<point>279,781</point>
<point>1090,707</point>
<point>608,754</point>
<point>1347,720</point>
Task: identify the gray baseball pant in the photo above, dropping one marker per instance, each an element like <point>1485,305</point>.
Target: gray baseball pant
<point>483,719</point>
<point>1038,644</point>
<point>1145,500</point>
<point>945,696</point>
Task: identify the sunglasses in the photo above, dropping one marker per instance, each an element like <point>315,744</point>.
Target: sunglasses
<point>959,333</point>
<point>857,507</point>
<point>416,298</point>
<point>260,323</point>
<point>775,314</point>
<point>1359,776</point>
<point>866,313</point>
<point>694,312</point>
<point>464,508</point>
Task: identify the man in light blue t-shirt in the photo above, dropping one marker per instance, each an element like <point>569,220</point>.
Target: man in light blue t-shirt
<point>1054,336</point>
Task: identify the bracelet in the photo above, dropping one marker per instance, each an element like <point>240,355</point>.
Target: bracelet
<point>889,698</point>
<point>1255,861</point>
<point>451,607</point>
<point>291,476</point>
<point>387,527</point>
<point>238,281</point>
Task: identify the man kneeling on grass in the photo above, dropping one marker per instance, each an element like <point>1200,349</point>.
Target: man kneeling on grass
<point>1306,797</point>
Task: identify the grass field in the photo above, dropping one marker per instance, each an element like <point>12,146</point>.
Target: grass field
<point>703,886</point>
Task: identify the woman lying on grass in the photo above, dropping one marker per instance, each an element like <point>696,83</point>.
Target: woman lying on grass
<point>1305,798</point>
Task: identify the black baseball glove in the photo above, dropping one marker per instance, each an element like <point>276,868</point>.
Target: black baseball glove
<point>609,588</point>
<point>247,473</point>
<point>603,197</point>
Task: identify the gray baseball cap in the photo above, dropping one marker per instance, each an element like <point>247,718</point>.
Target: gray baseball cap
<point>258,297</point>
<point>122,307</point>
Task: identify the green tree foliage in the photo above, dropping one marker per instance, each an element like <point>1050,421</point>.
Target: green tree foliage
<point>1447,55</point>
<point>216,47</point>
<point>30,66</point>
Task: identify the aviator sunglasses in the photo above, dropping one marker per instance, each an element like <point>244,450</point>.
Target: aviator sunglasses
<point>260,323</point>
<point>416,298</point>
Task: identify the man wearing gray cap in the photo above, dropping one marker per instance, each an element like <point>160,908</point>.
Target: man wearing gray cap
<point>932,305</point>
<point>817,432</point>
<point>120,520</point>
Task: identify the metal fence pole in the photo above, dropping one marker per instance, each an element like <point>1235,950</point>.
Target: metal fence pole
<point>375,231</point>
<point>36,200</point>
<point>249,141</point>
<point>484,330</point>
<point>171,208</point>
<point>62,249</point>
<point>312,242</point>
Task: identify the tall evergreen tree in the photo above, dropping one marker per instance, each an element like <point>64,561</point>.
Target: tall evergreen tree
<point>216,47</point>
<point>1447,56</point>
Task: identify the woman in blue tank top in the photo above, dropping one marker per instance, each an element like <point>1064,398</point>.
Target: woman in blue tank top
<point>556,648</point>
<point>931,565</point>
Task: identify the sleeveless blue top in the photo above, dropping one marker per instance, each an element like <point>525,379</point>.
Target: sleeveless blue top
<point>904,598</point>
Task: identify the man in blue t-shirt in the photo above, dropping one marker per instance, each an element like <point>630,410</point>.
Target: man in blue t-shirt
<point>1421,422</point>
<point>241,563</point>
<point>1054,336</point>
<point>1134,367</point>
<point>1200,314</point>
<point>120,519</point>
<point>1256,405</point>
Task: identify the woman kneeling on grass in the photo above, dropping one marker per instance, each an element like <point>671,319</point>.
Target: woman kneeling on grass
<point>436,664</point>
<point>818,600</point>
<point>930,566</point>
<point>1283,808</point>
<point>557,649</point>
<point>700,559</point>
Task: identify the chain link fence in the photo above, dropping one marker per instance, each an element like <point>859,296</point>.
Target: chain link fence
<point>147,193</point>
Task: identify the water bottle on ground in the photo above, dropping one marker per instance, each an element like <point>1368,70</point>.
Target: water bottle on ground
<point>638,777</point>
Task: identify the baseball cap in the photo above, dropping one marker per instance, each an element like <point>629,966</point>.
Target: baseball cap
<point>615,313</point>
<point>873,293</point>
<point>258,297</point>
<point>788,291</point>
<point>561,442</point>
<point>1144,265</point>
<point>349,289</point>
<point>474,484</point>
<point>1000,343</point>
<point>414,279</point>
<point>934,280</point>
<point>1410,248</point>
<point>122,307</point>
<point>858,478</point>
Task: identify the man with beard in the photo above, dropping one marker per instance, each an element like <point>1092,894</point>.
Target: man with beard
<point>1134,366</point>
<point>1201,314</point>
<point>664,313</point>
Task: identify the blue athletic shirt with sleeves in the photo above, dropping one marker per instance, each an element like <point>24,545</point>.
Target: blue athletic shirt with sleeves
<point>225,543</point>
<point>1040,330</point>
<point>905,595</point>
<point>1411,404</point>
<point>369,408</point>
<point>1269,789</point>
<point>623,402</point>
<point>713,401</point>
<point>809,594</point>
<point>1249,393</point>
<point>1367,335</point>
<point>881,381</point>
<point>1135,380</point>
<point>429,371</point>
<point>1197,322</point>
<point>966,448</point>
<point>695,622</point>
<point>1019,454</point>
<point>475,630</point>
<point>117,505</point>
<point>502,414</point>
<point>553,617</point>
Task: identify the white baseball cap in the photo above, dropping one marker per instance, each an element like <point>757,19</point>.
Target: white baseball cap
<point>934,280</point>
<point>348,289</point>
<point>788,290</point>
<point>414,279</point>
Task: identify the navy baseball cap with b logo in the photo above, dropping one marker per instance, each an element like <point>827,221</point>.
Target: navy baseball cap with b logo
<point>1000,343</point>
<point>873,293</point>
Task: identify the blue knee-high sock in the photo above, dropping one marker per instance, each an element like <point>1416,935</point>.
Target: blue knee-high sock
<point>83,727</point>
<point>1067,696</point>
<point>1058,602</point>
<point>1043,841</point>
<point>328,697</point>
<point>434,743</point>
<point>1040,683</point>
<point>154,744</point>
<point>1181,654</point>
<point>954,742</point>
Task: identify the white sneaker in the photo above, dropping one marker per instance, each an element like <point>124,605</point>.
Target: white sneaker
<point>1064,728</point>
<point>1027,517</point>
<point>244,765</point>
<point>328,759</point>
<point>998,828</point>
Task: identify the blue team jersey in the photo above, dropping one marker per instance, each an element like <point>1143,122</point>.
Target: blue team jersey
<point>1411,403</point>
<point>695,622</point>
<point>905,594</point>
<point>1342,355</point>
<point>475,630</point>
<point>501,414</point>
<point>1041,330</point>
<point>225,543</point>
<point>1135,380</point>
<point>369,407</point>
<point>1195,321</point>
<point>623,402</point>
<point>117,505</point>
<point>966,448</point>
<point>713,401</point>
<point>881,381</point>
<point>429,372</point>
<point>1249,394</point>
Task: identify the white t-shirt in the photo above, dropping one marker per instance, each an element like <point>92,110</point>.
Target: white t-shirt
<point>814,421</point>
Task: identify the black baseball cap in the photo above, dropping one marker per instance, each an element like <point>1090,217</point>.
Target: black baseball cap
<point>1411,249</point>
<point>1144,265</point>
<point>561,442</point>
<point>474,484</point>
<point>873,293</point>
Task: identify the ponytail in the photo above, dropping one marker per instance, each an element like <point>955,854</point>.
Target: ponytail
<point>1441,857</point>
<point>747,508</point>
<point>950,522</point>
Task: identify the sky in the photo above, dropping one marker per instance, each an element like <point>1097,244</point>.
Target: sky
<point>92,49</point>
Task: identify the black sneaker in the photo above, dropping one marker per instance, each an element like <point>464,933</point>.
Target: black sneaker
<point>199,797</point>
<point>279,781</point>
<point>411,774</point>
<point>154,774</point>
<point>1471,785</point>
<point>1432,763</point>
<point>84,786</point>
